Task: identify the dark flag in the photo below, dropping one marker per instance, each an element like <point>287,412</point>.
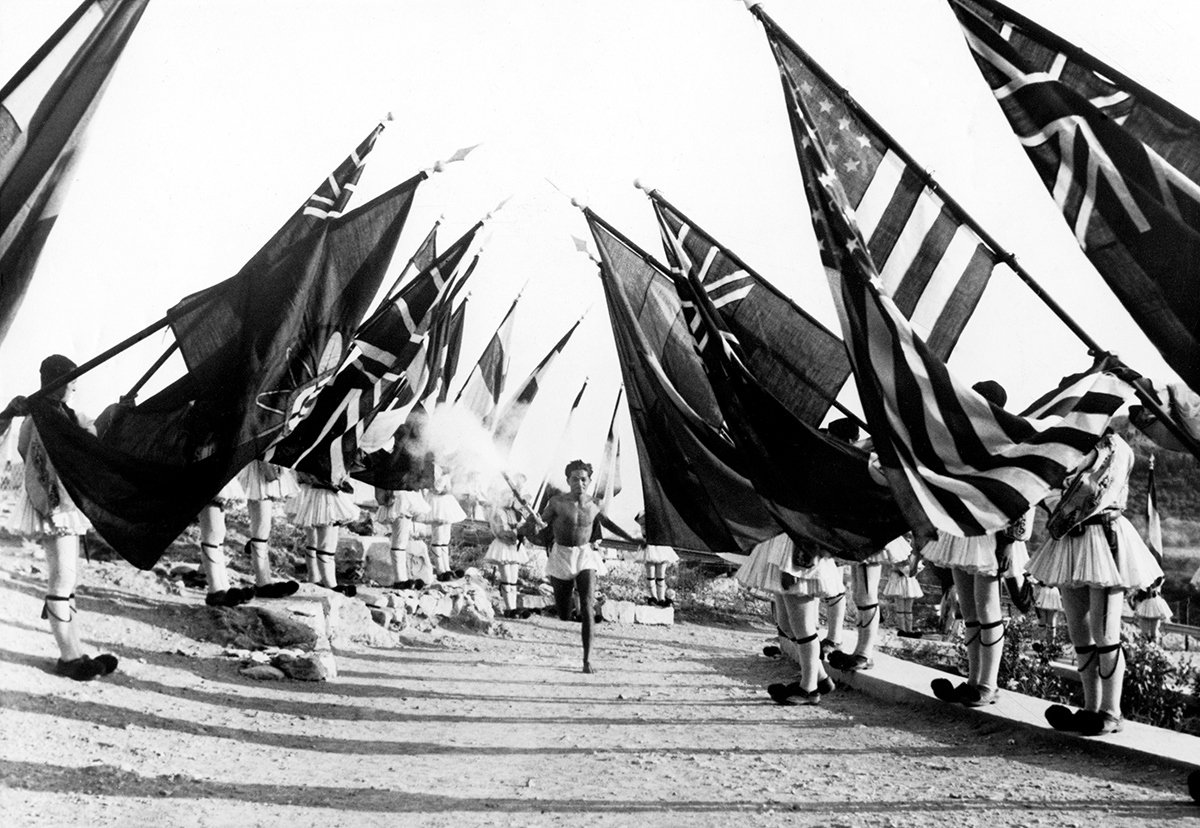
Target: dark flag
<point>481,392</point>
<point>972,467</point>
<point>817,487</point>
<point>421,259</point>
<point>378,375</point>
<point>695,495</point>
<point>510,417</point>
<point>1122,164</point>
<point>445,337</point>
<point>796,358</point>
<point>158,464</point>
<point>930,261</point>
<point>44,113</point>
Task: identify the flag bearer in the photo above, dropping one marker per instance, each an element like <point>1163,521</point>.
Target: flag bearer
<point>444,512</point>
<point>802,577</point>
<point>1093,556</point>
<point>321,507</point>
<point>265,484</point>
<point>507,549</point>
<point>46,513</point>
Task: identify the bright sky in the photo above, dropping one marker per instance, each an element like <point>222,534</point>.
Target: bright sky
<point>224,115</point>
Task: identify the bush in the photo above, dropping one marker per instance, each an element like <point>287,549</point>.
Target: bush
<point>1153,684</point>
<point>1029,671</point>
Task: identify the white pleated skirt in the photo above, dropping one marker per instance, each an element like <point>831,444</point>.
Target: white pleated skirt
<point>654,554</point>
<point>28,522</point>
<point>499,552</point>
<point>1047,598</point>
<point>444,508</point>
<point>1086,560</point>
<point>324,507</point>
<point>976,555</point>
<point>899,585</point>
<point>254,481</point>
<point>405,504</point>
<point>1154,608</point>
<point>755,571</point>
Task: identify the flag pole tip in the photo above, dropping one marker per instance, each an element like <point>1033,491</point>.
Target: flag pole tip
<point>577,203</point>
<point>750,4</point>
<point>637,182</point>
<point>389,117</point>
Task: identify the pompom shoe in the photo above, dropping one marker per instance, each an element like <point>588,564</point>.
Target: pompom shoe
<point>946,690</point>
<point>84,668</point>
<point>1063,718</point>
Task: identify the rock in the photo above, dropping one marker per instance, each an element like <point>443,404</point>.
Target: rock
<point>252,628</point>
<point>349,621</point>
<point>657,616</point>
<point>372,553</point>
<point>263,672</point>
<point>372,598</point>
<point>533,602</point>
<point>619,612</point>
<point>316,666</point>
<point>383,616</point>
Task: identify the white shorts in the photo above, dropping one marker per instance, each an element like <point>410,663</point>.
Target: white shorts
<point>565,562</point>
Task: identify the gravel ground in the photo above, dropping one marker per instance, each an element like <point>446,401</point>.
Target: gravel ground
<point>460,729</point>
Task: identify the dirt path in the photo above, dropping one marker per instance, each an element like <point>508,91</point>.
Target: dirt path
<point>458,729</point>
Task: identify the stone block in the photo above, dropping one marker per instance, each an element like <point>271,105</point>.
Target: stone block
<point>263,672</point>
<point>537,601</point>
<point>316,666</point>
<point>383,616</point>
<point>618,612</point>
<point>655,616</point>
<point>377,558</point>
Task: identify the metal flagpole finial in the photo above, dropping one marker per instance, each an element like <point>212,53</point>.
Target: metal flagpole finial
<point>496,209</point>
<point>389,117</point>
<point>641,185</point>
<point>459,155</point>
<point>581,246</point>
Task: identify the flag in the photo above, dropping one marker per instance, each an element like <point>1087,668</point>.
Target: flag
<point>445,337</point>
<point>453,349</point>
<point>796,358</point>
<point>1153,518</point>
<point>160,462</point>
<point>972,467</point>
<point>545,490</point>
<point>1122,164</point>
<point>44,114</point>
<point>696,496</point>
<point>608,472</point>
<point>930,260</point>
<point>379,372</point>
<point>481,392</point>
<point>512,414</point>
<point>421,259</point>
<point>818,488</point>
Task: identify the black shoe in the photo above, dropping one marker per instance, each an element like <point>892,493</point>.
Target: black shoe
<point>909,634</point>
<point>946,690</point>
<point>278,589</point>
<point>772,651</point>
<point>445,576</point>
<point>826,685</point>
<point>1099,724</point>
<point>974,696</point>
<point>232,597</point>
<point>849,663</point>
<point>349,590</point>
<point>417,583</point>
<point>84,668</point>
<point>403,584</point>
<point>1193,783</point>
<point>1063,718</point>
<point>781,693</point>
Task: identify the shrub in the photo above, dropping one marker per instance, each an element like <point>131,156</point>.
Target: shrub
<point>1153,683</point>
<point>1029,671</point>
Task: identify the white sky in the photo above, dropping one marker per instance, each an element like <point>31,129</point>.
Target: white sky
<point>223,116</point>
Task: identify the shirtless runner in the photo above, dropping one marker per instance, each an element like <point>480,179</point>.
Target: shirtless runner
<point>573,557</point>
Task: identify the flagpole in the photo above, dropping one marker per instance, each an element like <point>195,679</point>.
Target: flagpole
<point>104,357</point>
<point>158,363</point>
<point>46,48</point>
<point>1147,398</point>
<point>821,392</point>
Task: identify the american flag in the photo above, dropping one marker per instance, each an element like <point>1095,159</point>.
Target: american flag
<point>801,362</point>
<point>481,392</point>
<point>932,264</point>
<point>1122,165</point>
<point>374,376</point>
<point>973,467</point>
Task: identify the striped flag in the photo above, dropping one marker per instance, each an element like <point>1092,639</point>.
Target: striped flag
<point>932,264</point>
<point>1122,164</point>
<point>800,361</point>
<point>973,467</point>
<point>445,335</point>
<point>481,392</point>
<point>608,471</point>
<point>421,259</point>
<point>45,109</point>
<point>376,374</point>
<point>545,490</point>
<point>512,414</point>
<point>1153,518</point>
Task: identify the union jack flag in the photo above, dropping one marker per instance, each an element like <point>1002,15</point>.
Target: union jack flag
<point>331,196</point>
<point>1122,164</point>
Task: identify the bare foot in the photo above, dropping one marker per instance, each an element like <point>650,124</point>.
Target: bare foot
<point>588,668</point>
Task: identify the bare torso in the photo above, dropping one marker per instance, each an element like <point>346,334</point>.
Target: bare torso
<point>571,519</point>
